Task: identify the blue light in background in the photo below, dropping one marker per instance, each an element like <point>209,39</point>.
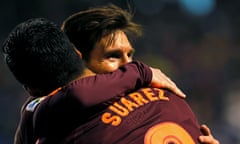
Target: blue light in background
<point>198,7</point>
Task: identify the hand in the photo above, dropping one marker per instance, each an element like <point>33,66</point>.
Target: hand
<point>160,80</point>
<point>207,137</point>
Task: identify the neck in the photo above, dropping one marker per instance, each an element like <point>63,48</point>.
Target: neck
<point>87,72</point>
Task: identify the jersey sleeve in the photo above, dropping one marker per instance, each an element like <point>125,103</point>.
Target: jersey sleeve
<point>102,87</point>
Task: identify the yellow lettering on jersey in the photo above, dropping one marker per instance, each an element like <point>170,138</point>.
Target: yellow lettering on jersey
<point>119,109</point>
<point>149,94</point>
<point>138,98</point>
<point>129,104</point>
<point>161,94</point>
<point>124,106</point>
<point>113,119</point>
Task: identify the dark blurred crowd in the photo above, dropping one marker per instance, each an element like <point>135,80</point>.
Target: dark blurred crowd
<point>198,47</point>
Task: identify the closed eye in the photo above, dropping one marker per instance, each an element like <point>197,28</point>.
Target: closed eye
<point>118,54</point>
<point>113,55</point>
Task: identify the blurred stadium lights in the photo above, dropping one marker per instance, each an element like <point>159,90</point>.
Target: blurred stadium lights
<point>198,7</point>
<point>194,7</point>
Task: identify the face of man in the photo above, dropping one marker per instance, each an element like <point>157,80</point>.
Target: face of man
<point>108,55</point>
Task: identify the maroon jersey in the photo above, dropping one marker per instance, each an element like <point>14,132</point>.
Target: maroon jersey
<point>147,116</point>
<point>54,116</point>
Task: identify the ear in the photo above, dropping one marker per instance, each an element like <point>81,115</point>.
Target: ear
<point>79,53</point>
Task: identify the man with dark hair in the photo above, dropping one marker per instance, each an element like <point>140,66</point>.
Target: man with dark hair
<point>31,59</point>
<point>102,34</point>
<point>42,59</point>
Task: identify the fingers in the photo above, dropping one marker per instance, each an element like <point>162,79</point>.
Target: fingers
<point>205,130</point>
<point>208,140</point>
<point>160,80</point>
<point>207,137</point>
<point>173,87</point>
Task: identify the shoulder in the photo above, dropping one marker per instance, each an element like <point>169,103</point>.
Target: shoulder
<point>34,103</point>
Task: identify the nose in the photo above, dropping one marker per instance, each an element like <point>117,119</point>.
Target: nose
<point>126,59</point>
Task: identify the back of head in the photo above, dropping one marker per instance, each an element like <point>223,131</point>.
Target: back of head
<point>86,28</point>
<point>40,56</point>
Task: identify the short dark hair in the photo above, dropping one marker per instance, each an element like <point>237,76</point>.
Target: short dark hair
<point>86,28</point>
<point>41,56</point>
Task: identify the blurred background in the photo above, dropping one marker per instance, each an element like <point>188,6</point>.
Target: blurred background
<point>195,42</point>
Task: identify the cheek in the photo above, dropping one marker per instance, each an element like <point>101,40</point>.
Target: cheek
<point>111,66</point>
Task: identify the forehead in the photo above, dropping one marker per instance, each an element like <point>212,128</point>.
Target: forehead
<point>114,41</point>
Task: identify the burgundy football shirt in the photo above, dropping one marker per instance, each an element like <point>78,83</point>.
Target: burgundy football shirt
<point>59,114</point>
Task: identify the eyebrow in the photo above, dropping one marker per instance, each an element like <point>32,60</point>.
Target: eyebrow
<point>117,51</point>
